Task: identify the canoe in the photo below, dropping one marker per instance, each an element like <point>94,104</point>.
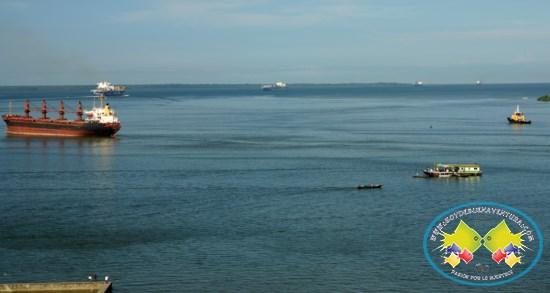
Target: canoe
<point>369,186</point>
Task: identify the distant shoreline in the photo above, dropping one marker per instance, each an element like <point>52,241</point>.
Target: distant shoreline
<point>289,83</point>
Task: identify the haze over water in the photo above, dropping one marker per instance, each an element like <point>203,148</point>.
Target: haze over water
<point>228,188</point>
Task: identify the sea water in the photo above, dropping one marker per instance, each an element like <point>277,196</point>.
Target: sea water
<point>229,188</point>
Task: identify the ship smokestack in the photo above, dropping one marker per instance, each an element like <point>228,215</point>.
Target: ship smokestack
<point>44,109</point>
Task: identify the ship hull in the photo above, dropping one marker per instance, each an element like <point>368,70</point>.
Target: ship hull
<point>512,121</point>
<point>437,174</point>
<point>17,125</point>
<point>108,93</point>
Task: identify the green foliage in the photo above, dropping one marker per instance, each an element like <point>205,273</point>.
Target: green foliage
<point>545,98</point>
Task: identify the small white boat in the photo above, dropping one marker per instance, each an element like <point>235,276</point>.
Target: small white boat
<point>277,85</point>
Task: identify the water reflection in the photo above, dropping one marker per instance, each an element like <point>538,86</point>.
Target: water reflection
<point>472,180</point>
<point>60,148</point>
<point>53,162</point>
<point>101,146</point>
<point>518,128</point>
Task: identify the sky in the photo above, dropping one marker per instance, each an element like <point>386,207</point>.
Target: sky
<point>64,42</point>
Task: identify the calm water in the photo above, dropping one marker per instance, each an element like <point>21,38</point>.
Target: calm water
<point>211,188</point>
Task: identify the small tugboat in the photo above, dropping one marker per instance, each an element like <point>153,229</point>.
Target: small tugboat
<point>518,117</point>
<point>453,170</point>
<point>369,186</point>
<point>99,121</point>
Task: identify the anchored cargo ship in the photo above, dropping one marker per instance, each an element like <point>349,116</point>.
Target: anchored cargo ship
<point>105,88</point>
<point>99,121</point>
<point>454,170</point>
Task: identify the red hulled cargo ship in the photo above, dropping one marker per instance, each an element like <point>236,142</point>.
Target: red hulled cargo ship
<point>100,121</point>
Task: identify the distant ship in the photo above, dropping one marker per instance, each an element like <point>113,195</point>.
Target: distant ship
<point>478,82</point>
<point>280,84</point>
<point>418,83</point>
<point>105,88</point>
<point>99,121</point>
<point>277,85</point>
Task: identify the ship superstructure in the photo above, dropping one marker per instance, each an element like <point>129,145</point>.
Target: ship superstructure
<point>453,170</point>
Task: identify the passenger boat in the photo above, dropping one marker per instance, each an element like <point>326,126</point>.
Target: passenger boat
<point>518,117</point>
<point>453,170</point>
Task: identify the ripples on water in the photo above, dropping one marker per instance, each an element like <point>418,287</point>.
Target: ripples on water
<point>211,188</point>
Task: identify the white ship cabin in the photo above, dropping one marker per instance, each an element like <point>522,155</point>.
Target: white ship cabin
<point>467,168</point>
<point>105,85</point>
<point>280,84</point>
<point>103,114</point>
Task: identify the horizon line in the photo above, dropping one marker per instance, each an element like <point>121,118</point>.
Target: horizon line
<point>294,83</point>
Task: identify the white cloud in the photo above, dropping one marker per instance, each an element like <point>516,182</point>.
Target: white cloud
<point>503,34</point>
<point>257,13</point>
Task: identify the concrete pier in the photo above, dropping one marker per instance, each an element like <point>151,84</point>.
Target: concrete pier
<point>62,287</point>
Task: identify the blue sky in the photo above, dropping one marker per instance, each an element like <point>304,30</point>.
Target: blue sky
<point>256,41</point>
